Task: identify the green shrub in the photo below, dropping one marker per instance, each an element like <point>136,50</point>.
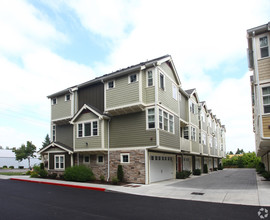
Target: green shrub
<point>115,180</point>
<point>43,173</point>
<point>180,175</point>
<point>205,168</point>
<point>41,165</point>
<point>220,166</point>
<point>52,175</point>
<point>187,173</point>
<point>36,168</point>
<point>260,168</point>
<point>266,175</point>
<point>102,178</point>
<point>79,174</point>
<point>28,172</point>
<point>197,172</point>
<point>120,173</point>
<point>11,167</point>
<point>5,166</point>
<point>34,175</point>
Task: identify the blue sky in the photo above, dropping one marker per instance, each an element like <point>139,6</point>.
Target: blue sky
<point>48,45</point>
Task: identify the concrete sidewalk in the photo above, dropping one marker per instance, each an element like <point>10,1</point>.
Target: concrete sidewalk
<point>258,196</point>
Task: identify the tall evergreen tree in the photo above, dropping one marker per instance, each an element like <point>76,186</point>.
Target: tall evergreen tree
<point>46,142</point>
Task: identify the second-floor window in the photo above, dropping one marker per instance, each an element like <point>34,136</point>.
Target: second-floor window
<point>264,47</point>
<point>166,121</point>
<point>151,118</point>
<point>54,133</point>
<point>161,81</point>
<point>174,91</point>
<point>110,84</point>
<point>87,129</point>
<point>266,99</point>
<point>133,78</point>
<point>193,134</point>
<point>67,97</point>
<point>192,107</point>
<point>149,78</point>
<point>54,101</point>
<point>186,135</point>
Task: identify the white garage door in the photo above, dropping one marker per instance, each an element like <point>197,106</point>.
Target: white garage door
<point>161,168</point>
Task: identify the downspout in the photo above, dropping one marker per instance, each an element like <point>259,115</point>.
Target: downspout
<point>108,176</point>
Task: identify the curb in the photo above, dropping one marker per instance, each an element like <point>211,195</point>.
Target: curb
<point>62,184</point>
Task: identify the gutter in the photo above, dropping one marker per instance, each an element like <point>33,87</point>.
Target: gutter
<point>108,174</point>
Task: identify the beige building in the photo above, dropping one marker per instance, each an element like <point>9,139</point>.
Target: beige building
<point>259,63</point>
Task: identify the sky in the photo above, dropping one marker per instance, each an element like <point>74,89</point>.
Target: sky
<point>49,45</point>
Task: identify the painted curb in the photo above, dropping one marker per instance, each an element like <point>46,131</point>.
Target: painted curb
<point>62,184</point>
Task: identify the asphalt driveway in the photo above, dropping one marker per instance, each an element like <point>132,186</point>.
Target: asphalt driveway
<point>228,179</point>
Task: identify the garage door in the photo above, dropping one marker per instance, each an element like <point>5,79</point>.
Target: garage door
<point>161,168</point>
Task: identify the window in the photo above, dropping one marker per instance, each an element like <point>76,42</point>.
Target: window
<point>150,78</point>
<point>171,123</point>
<point>100,159</point>
<point>151,118</point>
<point>203,139</point>
<point>86,159</point>
<point>160,119</point>
<point>186,135</point>
<point>67,97</point>
<point>54,101</point>
<point>80,130</point>
<point>165,120</point>
<point>87,129</point>
<point>193,134</point>
<point>192,107</point>
<point>174,91</point>
<point>203,116</point>
<point>266,99</point>
<point>110,84</point>
<point>59,162</point>
<point>124,158</point>
<point>264,47</point>
<point>133,78</point>
<point>54,132</point>
<point>161,81</point>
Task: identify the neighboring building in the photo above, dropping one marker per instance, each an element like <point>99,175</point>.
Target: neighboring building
<point>259,62</point>
<point>8,158</point>
<point>139,117</point>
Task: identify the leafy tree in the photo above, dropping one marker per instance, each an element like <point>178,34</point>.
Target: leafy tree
<point>25,152</point>
<point>231,153</point>
<point>249,160</point>
<point>46,142</point>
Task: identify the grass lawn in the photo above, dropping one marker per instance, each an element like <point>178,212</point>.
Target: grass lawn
<point>11,173</point>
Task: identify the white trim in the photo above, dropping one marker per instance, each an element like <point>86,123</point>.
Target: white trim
<point>121,158</point>
<point>66,100</point>
<point>140,86</point>
<point>107,84</point>
<point>60,119</point>
<point>100,155</point>
<point>133,148</point>
<point>56,151</point>
<point>156,103</point>
<point>48,160</point>
<point>125,106</point>
<point>86,155</point>
<point>102,134</point>
<point>57,145</point>
<point>105,98</point>
<point>91,128</point>
<point>129,82</point>
<point>89,150</point>
<point>146,162</point>
<point>153,82</point>
<point>176,90</point>
<point>164,73</point>
<point>64,165</point>
<point>83,108</point>
<point>164,81</point>
<point>147,124</point>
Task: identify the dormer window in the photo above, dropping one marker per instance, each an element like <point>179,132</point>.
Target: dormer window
<point>133,78</point>
<point>54,101</point>
<point>110,84</point>
<point>264,46</point>
<point>67,97</point>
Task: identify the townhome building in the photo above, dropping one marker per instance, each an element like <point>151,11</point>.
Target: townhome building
<point>138,117</point>
<point>259,64</point>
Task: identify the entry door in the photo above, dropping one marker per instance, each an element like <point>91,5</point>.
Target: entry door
<point>179,164</point>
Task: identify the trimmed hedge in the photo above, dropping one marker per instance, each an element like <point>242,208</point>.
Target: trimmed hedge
<point>183,174</point>
<point>120,173</point>
<point>79,174</point>
<point>197,172</point>
<point>266,175</point>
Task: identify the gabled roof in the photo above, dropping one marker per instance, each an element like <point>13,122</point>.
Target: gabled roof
<point>92,109</point>
<point>191,92</point>
<point>130,69</point>
<point>59,145</point>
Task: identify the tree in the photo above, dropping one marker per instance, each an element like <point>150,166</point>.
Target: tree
<point>46,142</point>
<point>231,153</point>
<point>239,151</point>
<point>25,152</point>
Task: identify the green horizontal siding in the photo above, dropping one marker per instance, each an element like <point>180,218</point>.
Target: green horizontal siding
<point>130,131</point>
<point>64,134</point>
<point>124,93</point>
<point>184,108</point>
<point>169,71</point>
<point>86,117</point>
<point>150,95</point>
<point>62,109</point>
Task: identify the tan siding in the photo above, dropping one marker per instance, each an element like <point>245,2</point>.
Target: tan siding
<point>62,109</point>
<point>264,69</point>
<point>130,131</point>
<point>124,93</point>
<point>171,140</point>
<point>184,108</point>
<point>86,117</point>
<point>168,71</point>
<point>150,94</point>
<point>266,123</point>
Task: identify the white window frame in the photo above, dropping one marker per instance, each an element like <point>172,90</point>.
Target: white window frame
<point>147,78</point>
<point>98,159</point>
<point>171,122</point>
<point>265,95</point>
<point>263,47</point>
<point>67,95</point>
<point>60,155</point>
<point>85,162</point>
<point>91,128</point>
<point>113,81</point>
<point>160,118</point>
<point>129,76</point>
<point>186,132</point>
<point>54,133</point>
<point>165,121</point>
<point>174,91</point>
<point>193,133</point>
<point>54,101</point>
<point>160,85</point>
<point>147,118</point>
<point>192,108</point>
<point>121,158</point>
